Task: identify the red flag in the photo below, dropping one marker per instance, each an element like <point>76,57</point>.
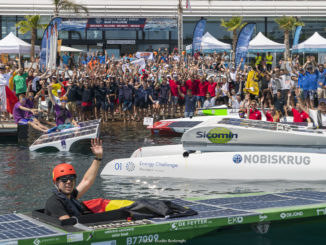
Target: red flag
<point>188,6</point>
<point>11,100</point>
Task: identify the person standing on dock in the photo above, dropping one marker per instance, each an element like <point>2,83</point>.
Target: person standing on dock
<point>64,204</point>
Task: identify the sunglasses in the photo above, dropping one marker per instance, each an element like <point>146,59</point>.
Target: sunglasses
<point>65,179</point>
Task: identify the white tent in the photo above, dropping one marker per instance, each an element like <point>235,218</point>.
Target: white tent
<point>315,43</point>
<point>260,43</point>
<point>69,49</point>
<point>13,45</point>
<point>210,44</point>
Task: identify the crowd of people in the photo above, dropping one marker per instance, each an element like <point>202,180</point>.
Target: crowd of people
<point>161,85</point>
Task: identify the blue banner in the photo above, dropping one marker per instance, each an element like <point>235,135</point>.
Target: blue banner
<point>297,36</point>
<point>198,34</point>
<point>244,38</point>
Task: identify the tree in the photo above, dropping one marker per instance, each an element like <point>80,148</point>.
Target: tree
<point>30,24</point>
<point>60,5</point>
<point>234,24</point>
<point>287,24</point>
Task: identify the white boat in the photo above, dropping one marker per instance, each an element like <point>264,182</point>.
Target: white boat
<point>241,134</point>
<point>224,165</point>
<point>64,139</point>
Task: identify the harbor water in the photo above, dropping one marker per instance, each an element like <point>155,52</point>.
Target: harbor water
<point>26,177</point>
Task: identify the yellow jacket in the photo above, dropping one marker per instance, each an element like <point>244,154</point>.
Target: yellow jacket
<point>251,85</point>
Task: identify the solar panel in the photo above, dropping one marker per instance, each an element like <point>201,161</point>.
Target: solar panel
<point>314,195</point>
<point>184,124</point>
<point>274,204</point>
<point>256,198</point>
<point>13,227</point>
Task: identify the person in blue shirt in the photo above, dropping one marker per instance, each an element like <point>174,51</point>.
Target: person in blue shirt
<point>312,75</point>
<point>65,59</point>
<point>321,82</point>
<point>102,58</point>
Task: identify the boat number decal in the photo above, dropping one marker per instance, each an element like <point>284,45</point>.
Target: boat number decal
<point>118,166</point>
<point>271,159</point>
<point>142,239</point>
<point>217,135</point>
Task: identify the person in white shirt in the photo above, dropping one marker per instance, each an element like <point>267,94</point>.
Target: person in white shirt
<point>4,81</point>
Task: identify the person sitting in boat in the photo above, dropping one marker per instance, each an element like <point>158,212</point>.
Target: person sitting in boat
<point>64,204</point>
<point>318,116</point>
<point>209,101</point>
<point>22,116</point>
<point>253,113</point>
<point>63,117</point>
<point>273,115</point>
<point>299,115</point>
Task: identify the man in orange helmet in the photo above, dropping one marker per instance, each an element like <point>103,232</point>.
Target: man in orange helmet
<point>63,203</point>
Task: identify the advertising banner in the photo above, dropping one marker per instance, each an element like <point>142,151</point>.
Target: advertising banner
<point>198,34</point>
<point>243,43</point>
<point>145,55</point>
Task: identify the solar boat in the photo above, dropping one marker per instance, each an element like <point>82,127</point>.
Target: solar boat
<point>64,139</point>
<point>292,217</point>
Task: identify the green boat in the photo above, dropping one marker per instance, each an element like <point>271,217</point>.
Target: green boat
<point>294,217</point>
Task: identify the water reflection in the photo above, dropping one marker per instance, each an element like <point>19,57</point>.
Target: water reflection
<point>26,177</point>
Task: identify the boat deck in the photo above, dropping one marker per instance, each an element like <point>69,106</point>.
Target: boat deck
<point>259,211</point>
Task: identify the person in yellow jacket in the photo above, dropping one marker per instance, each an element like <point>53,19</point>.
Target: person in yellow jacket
<point>251,85</point>
<point>258,60</point>
<point>269,61</point>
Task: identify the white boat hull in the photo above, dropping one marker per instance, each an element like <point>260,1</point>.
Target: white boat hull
<point>224,165</point>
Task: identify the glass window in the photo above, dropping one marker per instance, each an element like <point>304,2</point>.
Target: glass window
<point>43,20</point>
<point>78,35</point>
<point>8,25</point>
<point>156,35</point>
<point>120,34</point>
<point>94,35</point>
<point>63,35</point>
<point>174,35</point>
<point>188,30</point>
<point>143,47</point>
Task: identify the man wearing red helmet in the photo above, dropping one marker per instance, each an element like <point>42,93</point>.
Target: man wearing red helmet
<point>63,203</point>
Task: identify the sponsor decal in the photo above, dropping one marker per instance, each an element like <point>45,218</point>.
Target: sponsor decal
<point>158,164</point>
<point>130,166</point>
<point>262,217</point>
<point>217,135</point>
<point>321,211</point>
<point>271,159</point>
<point>37,241</point>
<point>189,224</point>
<point>235,220</point>
<point>75,237</point>
<point>291,214</point>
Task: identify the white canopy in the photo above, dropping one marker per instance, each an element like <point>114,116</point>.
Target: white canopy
<point>69,49</point>
<point>315,43</point>
<point>210,44</point>
<point>260,43</point>
<point>14,45</point>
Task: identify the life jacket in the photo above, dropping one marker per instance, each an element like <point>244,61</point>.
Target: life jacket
<point>319,121</point>
<point>73,207</point>
<point>269,59</point>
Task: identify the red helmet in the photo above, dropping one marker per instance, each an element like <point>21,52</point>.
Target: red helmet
<point>62,170</point>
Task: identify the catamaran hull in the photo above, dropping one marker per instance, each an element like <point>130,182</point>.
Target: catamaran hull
<point>224,165</point>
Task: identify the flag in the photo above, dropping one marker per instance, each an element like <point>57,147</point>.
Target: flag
<point>198,34</point>
<point>11,100</point>
<point>188,6</point>
<point>243,43</point>
<point>297,36</point>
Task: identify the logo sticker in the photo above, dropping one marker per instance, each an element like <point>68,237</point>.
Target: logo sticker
<point>237,158</point>
<point>130,166</point>
<point>217,135</point>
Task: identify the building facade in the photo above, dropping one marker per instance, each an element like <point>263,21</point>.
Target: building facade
<point>263,13</point>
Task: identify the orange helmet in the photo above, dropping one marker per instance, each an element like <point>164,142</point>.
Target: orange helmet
<point>62,170</point>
